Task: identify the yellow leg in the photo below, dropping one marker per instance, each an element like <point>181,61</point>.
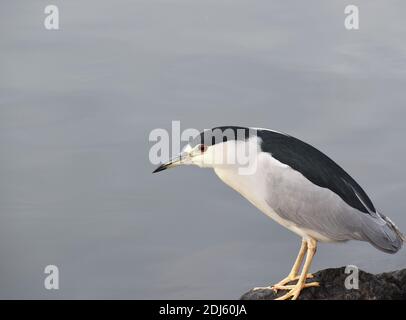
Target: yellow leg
<point>283,284</point>
<point>296,289</point>
<point>293,274</point>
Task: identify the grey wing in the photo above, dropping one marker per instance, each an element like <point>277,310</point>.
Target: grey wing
<point>316,167</point>
<point>310,207</point>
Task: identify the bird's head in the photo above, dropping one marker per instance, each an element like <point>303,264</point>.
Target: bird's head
<point>218,147</point>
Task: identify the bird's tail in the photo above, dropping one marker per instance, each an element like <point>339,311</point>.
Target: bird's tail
<point>383,234</point>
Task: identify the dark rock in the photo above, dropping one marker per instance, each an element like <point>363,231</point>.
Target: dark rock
<point>383,286</point>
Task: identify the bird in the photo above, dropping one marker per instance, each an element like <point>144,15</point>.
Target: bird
<point>296,185</point>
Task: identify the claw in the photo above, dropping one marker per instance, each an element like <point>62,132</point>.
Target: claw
<point>289,287</point>
<point>281,285</point>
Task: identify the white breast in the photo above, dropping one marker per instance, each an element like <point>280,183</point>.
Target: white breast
<point>253,187</point>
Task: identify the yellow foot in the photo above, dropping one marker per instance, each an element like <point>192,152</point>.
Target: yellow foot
<point>282,284</point>
<point>288,287</point>
<point>295,290</point>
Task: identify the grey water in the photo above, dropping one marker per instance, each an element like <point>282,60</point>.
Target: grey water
<point>77,106</point>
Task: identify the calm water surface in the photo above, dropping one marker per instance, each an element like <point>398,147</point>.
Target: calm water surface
<point>77,106</point>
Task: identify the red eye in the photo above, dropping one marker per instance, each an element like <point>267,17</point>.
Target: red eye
<point>202,148</point>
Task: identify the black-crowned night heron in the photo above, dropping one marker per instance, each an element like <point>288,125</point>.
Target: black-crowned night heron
<point>296,185</point>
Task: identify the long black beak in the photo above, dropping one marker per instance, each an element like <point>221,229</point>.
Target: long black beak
<point>162,167</point>
<point>171,163</point>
